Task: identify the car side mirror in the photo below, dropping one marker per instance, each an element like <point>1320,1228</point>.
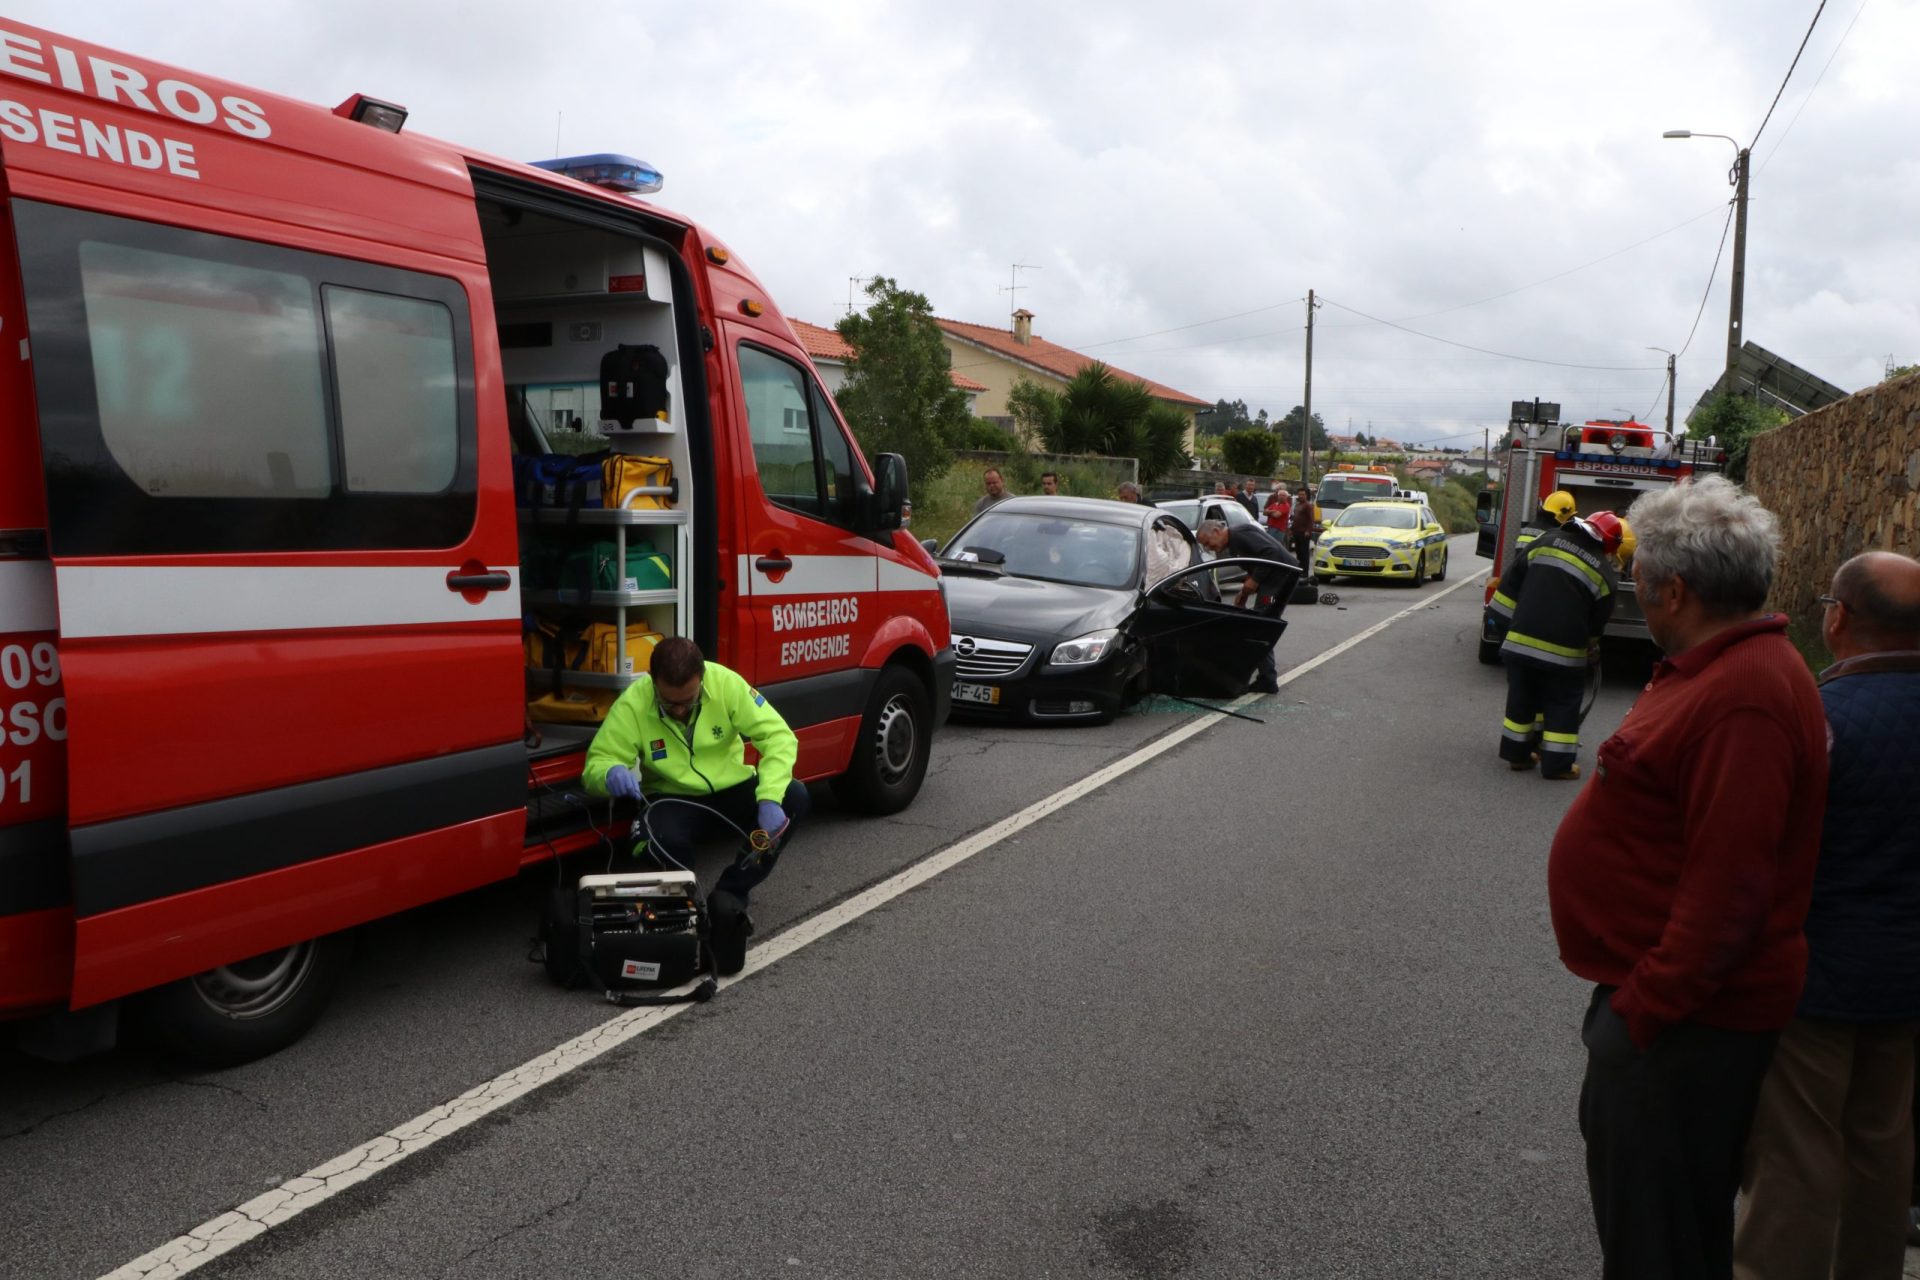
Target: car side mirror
<point>931,546</point>
<point>889,498</point>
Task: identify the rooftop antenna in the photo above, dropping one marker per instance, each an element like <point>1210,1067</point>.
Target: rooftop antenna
<point>854,282</point>
<point>1013,284</point>
<point>557,117</point>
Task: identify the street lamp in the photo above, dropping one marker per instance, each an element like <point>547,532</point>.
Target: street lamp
<point>1738,177</point>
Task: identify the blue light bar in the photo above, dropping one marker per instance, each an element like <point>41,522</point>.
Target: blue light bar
<point>614,172</point>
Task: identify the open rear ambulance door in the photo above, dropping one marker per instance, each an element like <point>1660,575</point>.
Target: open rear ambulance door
<point>283,547</point>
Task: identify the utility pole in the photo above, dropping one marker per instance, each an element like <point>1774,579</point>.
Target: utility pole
<point>1670,360</point>
<point>1735,307</point>
<point>1306,423</point>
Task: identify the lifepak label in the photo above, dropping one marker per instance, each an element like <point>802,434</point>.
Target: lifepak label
<point>640,970</point>
<point>26,58</point>
<point>807,614</point>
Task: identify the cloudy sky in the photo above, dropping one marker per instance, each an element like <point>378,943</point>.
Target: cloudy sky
<point>1177,176</point>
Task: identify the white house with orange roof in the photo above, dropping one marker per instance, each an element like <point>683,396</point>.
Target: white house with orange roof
<point>1000,357</point>
<point>830,355</point>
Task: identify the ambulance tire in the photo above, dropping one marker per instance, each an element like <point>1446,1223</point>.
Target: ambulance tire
<point>1420,571</point>
<point>1440,574</point>
<point>890,755</point>
<point>246,1010</point>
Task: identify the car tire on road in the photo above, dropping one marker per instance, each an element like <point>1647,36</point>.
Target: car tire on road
<point>896,739</point>
<point>1420,571</point>
<point>1440,574</point>
<point>245,1010</point>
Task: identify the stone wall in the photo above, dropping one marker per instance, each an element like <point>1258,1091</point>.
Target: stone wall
<point>1843,479</point>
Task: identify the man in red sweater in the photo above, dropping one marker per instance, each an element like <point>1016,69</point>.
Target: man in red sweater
<point>1679,882</point>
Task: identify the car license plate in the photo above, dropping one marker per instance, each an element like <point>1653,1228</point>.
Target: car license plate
<point>1356,564</point>
<point>986,694</point>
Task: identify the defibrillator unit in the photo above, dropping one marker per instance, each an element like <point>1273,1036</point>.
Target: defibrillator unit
<point>633,932</point>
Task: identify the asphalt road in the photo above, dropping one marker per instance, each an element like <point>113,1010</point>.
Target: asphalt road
<point>1282,1002</point>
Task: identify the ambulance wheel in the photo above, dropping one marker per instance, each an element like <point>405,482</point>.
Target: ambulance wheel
<point>1490,652</point>
<point>1440,574</point>
<point>247,1009</point>
<point>1420,571</point>
<point>890,755</point>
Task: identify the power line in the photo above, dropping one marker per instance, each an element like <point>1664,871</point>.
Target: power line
<point>1816,84</point>
<point>1709,289</point>
<point>1564,364</point>
<point>1790,66</point>
<point>1428,315</point>
<point>1197,324</point>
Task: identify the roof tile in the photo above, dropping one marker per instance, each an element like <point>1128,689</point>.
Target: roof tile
<point>1062,362</point>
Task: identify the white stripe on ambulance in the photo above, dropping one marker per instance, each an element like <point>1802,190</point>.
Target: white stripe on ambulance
<point>189,600</point>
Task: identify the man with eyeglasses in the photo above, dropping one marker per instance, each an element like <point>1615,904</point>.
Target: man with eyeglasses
<point>679,734</point>
<point>1829,1162</point>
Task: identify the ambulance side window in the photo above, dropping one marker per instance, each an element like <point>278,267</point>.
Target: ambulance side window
<point>200,393</point>
<point>780,423</point>
<point>836,462</point>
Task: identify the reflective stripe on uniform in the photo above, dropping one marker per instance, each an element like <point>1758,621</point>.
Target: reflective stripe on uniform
<point>1502,604</point>
<point>1515,731</point>
<point>1555,558</point>
<point>1561,739</point>
<point>1545,650</point>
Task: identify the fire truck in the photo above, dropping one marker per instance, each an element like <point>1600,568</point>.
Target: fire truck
<point>297,458</point>
<point>1604,464</point>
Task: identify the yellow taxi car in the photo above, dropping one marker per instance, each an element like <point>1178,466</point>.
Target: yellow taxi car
<point>1385,538</point>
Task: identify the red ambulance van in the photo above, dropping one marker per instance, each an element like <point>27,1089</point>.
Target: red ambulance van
<point>270,374</point>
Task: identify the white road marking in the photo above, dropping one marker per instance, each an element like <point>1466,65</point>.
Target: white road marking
<point>261,1214</point>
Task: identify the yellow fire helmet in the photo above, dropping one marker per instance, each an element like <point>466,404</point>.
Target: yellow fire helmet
<point>1627,543</point>
<point>1560,505</point>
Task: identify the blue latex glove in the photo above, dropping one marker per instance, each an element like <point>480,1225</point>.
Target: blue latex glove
<point>621,784</point>
<point>773,819</point>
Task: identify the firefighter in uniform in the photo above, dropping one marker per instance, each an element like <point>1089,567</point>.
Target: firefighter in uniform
<point>1555,510</point>
<point>1563,589</point>
<point>679,732</point>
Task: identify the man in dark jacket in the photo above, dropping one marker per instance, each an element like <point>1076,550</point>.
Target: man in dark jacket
<point>1555,510</point>
<point>1830,1157</point>
<point>1265,584</point>
<point>1300,527</point>
<point>1563,588</point>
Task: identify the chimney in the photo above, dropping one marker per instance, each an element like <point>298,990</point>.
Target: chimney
<point>1023,326</point>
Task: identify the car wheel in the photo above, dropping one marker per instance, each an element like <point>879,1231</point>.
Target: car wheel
<point>1440,574</point>
<point>245,1010</point>
<point>1420,571</point>
<point>1490,652</point>
<point>890,755</point>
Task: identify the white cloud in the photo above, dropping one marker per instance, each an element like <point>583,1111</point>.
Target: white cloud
<point>1163,165</point>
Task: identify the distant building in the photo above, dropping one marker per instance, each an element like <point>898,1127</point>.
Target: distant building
<point>1000,357</point>
<point>830,354</point>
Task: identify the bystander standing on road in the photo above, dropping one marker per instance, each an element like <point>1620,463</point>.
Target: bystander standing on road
<point>1128,492</point>
<point>1050,483</point>
<point>1679,881</point>
<point>1262,585</point>
<point>1302,524</point>
<point>1830,1161</point>
<point>1279,509</point>
<point>996,490</point>
<point>1249,499</point>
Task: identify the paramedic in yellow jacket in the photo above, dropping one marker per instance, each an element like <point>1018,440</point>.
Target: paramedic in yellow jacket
<point>681,731</point>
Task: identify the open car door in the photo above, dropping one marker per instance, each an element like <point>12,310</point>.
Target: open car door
<point>1199,646</point>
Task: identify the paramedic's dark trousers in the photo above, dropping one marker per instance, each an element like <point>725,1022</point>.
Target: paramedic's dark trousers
<point>1543,713</point>
<point>677,826</point>
<point>1665,1130</point>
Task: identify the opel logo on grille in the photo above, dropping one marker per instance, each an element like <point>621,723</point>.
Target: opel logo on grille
<point>964,646</point>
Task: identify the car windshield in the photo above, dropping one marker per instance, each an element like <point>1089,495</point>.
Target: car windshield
<point>1338,491</point>
<point>1089,553</point>
<point>1379,517</point>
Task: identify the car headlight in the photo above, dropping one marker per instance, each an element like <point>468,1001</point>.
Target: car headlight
<point>1083,650</point>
